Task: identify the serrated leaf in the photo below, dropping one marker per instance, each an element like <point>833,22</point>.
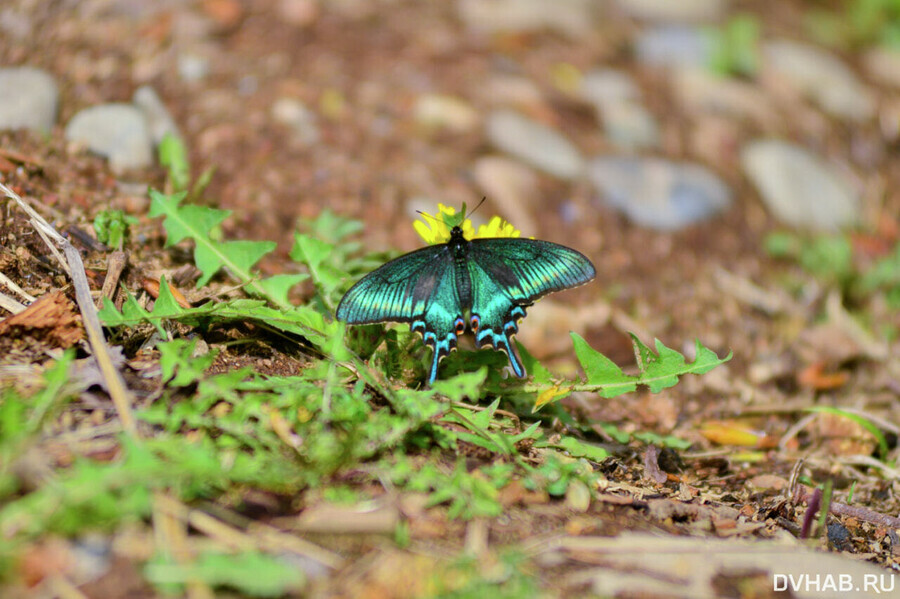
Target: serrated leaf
<point>601,371</point>
<point>190,221</point>
<point>200,223</point>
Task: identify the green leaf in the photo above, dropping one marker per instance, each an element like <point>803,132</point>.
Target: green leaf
<point>200,223</point>
<point>577,448</point>
<point>173,156</point>
<point>253,573</point>
<point>538,372</point>
<point>462,386</point>
<point>601,371</point>
<point>278,286</point>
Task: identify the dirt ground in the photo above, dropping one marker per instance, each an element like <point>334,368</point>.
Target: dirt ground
<point>361,66</point>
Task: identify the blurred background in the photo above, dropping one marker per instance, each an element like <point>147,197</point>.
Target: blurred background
<point>730,167</point>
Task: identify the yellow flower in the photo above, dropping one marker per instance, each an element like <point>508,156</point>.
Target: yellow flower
<point>436,228</point>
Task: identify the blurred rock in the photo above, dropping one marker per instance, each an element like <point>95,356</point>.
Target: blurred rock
<point>616,98</point>
<point>666,10</point>
<point>511,187</point>
<point>674,45</point>
<point>601,87</point>
<point>630,126</point>
<point>534,143</point>
<point>883,65</point>
<point>699,90</point>
<point>657,193</point>
<point>820,76</point>
<point>117,131</point>
<point>28,99</point>
<point>159,119</point>
<point>799,189</point>
<point>301,120</point>
<point>573,18</point>
<point>192,67</point>
<point>445,112</point>
<point>299,13</point>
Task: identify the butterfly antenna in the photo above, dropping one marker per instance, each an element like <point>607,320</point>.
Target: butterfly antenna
<point>426,215</point>
<point>483,198</point>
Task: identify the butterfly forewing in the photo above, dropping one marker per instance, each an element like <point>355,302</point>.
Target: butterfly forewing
<point>529,268</point>
<point>397,291</point>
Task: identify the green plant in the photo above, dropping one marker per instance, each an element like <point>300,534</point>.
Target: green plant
<point>735,47</point>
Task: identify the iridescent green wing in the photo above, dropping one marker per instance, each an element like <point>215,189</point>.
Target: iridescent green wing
<point>418,288</point>
<point>507,276</point>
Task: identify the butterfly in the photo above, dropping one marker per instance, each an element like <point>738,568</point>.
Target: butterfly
<point>487,282</point>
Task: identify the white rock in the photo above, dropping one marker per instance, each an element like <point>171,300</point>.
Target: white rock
<point>573,18</point>
<point>117,131</point>
<point>799,188</point>
<point>822,77</point>
<point>445,112</point>
<point>511,187</point>
<point>534,143</point>
<point>294,113</point>
<point>159,119</point>
<point>669,10</point>
<point>601,87</point>
<point>28,99</point>
<point>883,65</point>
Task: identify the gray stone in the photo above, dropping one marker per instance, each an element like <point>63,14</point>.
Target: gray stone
<point>616,98</point>
<point>669,11</point>
<point>573,18</point>
<point>192,67</point>
<point>28,99</point>
<point>303,121</point>
<point>601,87</point>
<point>799,188</point>
<point>117,131</point>
<point>657,193</point>
<point>534,143</point>
<point>822,77</point>
<point>159,119</point>
<point>630,126</point>
<point>883,65</point>
<point>673,45</point>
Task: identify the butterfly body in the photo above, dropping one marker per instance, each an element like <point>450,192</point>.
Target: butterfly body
<point>482,284</point>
